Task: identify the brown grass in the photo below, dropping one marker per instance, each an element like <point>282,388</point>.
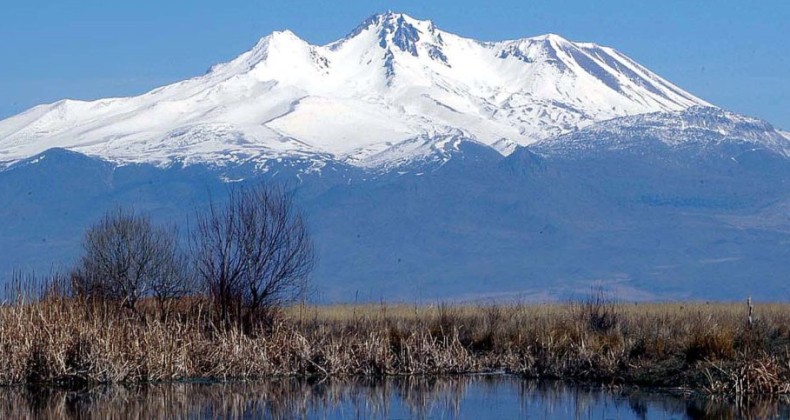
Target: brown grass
<point>696,345</point>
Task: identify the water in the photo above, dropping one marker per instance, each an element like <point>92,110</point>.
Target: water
<point>465,397</point>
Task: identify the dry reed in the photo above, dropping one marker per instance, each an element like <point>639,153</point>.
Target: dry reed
<point>710,347</point>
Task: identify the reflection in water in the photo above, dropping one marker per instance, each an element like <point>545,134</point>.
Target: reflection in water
<point>473,396</point>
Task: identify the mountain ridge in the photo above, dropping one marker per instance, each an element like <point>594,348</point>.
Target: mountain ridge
<point>392,79</point>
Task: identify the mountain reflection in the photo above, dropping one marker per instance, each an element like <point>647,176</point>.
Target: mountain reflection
<point>472,396</point>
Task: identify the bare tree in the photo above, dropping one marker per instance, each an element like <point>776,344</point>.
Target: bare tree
<point>254,253</point>
<point>127,257</point>
<point>172,278</point>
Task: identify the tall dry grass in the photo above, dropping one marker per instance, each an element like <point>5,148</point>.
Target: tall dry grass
<point>706,346</point>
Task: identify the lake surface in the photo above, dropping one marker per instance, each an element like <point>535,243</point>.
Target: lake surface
<point>448,397</point>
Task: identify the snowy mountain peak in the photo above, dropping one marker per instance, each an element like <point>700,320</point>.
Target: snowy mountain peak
<point>391,26</point>
<point>397,30</point>
<point>391,80</point>
<point>283,39</point>
<point>398,33</point>
<point>279,46</point>
<point>551,38</point>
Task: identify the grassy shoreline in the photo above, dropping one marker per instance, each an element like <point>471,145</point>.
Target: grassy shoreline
<point>709,348</point>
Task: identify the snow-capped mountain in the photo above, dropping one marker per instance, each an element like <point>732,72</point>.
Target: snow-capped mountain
<point>430,166</point>
<point>392,90</point>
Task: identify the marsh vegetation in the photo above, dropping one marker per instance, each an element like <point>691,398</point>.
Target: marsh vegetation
<point>707,347</point>
<point>140,306</point>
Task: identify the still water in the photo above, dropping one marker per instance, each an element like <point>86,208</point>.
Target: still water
<point>464,397</point>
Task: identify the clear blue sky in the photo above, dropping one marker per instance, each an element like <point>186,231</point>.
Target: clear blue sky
<point>735,54</point>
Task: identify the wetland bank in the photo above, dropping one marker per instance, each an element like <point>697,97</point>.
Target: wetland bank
<point>575,360</point>
<point>709,348</point>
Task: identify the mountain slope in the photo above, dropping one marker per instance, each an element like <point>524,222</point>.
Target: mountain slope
<point>392,79</point>
<point>697,129</point>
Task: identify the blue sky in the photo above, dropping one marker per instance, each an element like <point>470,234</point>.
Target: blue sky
<point>735,54</point>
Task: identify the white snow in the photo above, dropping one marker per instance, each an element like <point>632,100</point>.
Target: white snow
<point>697,125</point>
<point>361,99</point>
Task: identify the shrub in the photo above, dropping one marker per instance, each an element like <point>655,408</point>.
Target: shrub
<point>253,254</point>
